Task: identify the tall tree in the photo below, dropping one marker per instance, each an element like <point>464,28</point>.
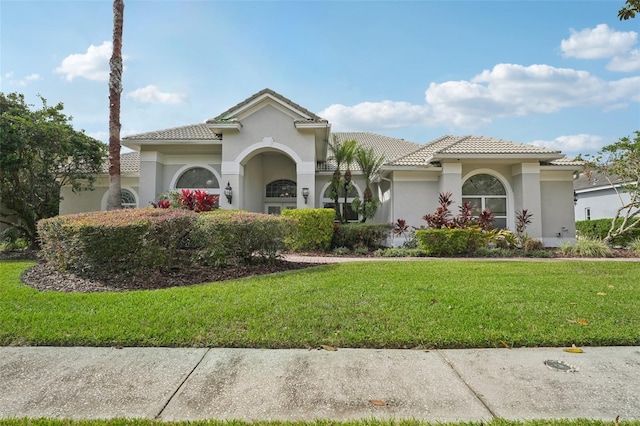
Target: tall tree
<point>115,89</point>
<point>621,161</point>
<point>39,153</point>
<point>631,7</point>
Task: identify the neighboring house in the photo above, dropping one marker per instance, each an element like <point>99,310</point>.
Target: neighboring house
<point>269,151</point>
<point>596,197</point>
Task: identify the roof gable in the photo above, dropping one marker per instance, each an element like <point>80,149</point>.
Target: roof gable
<point>236,112</point>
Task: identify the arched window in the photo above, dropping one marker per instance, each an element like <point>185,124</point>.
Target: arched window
<point>128,199</point>
<point>282,188</point>
<point>328,202</point>
<point>197,178</point>
<point>484,191</point>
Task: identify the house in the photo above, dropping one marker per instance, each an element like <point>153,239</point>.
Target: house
<point>267,151</point>
<point>598,197</point>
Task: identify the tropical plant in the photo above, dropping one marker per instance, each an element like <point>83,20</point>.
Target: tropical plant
<point>586,247</point>
<point>634,246</point>
<point>343,153</point>
<point>114,200</point>
<point>370,164</point>
<point>195,200</point>
<point>523,218</point>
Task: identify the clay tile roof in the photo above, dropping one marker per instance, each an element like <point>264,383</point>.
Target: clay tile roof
<point>129,163</point>
<point>391,148</point>
<point>228,114</point>
<point>469,145</point>
<point>191,132</point>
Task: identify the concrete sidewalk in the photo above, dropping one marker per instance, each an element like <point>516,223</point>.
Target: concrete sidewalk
<point>256,384</point>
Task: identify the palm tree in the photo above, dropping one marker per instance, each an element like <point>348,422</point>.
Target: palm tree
<point>338,156</point>
<point>349,149</point>
<point>115,89</point>
<point>370,164</point>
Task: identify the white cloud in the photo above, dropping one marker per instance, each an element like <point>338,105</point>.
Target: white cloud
<point>23,81</point>
<point>93,65</point>
<point>604,42</point>
<point>581,143</point>
<point>375,115</point>
<point>598,42</point>
<point>505,91</point>
<point>627,63</point>
<point>28,79</point>
<point>151,94</point>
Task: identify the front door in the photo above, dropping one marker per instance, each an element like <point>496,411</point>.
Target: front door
<point>277,208</point>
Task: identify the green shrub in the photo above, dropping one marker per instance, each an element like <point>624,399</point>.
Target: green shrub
<point>449,242</point>
<point>11,239</point>
<point>231,235</point>
<point>129,240</point>
<point>634,246</point>
<point>586,247</point>
<point>352,235</point>
<point>361,250</point>
<point>599,228</point>
<point>314,230</point>
<point>341,251</point>
<point>399,252</point>
<point>533,244</point>
<point>566,248</point>
<point>538,253</point>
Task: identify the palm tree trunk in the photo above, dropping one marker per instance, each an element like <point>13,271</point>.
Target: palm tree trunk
<point>115,89</point>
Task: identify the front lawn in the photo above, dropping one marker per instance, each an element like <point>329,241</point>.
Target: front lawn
<point>385,304</point>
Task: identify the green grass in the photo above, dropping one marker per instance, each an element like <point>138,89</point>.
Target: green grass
<point>368,422</point>
<point>385,304</point>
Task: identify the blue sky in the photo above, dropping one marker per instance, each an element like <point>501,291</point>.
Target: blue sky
<point>564,75</point>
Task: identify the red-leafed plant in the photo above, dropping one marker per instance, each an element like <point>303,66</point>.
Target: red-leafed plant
<point>197,201</point>
<point>162,204</point>
<point>400,228</point>
<point>443,218</point>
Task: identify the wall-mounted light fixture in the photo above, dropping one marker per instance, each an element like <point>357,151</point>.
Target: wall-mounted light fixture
<point>305,194</point>
<point>228,192</point>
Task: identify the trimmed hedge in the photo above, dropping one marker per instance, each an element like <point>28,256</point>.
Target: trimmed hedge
<point>449,242</point>
<point>224,236</point>
<point>128,240</point>
<point>314,230</point>
<point>599,228</point>
<point>354,235</point>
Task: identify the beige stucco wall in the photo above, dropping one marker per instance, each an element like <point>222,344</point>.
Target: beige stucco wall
<point>558,216</point>
<point>413,195</point>
<point>88,201</point>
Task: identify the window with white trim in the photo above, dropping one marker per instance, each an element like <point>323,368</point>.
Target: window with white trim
<point>484,191</point>
<point>328,202</point>
<point>283,188</point>
<point>197,178</point>
<point>128,199</point>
